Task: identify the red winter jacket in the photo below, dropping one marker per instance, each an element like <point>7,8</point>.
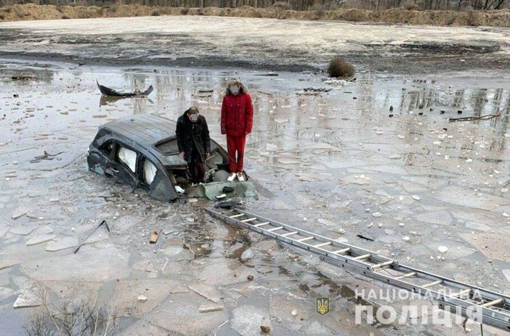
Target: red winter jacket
<point>236,114</point>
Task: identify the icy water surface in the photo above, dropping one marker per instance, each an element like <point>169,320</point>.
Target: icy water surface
<point>376,157</point>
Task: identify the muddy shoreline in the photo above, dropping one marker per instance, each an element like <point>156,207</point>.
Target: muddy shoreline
<point>394,64</point>
<point>419,58</point>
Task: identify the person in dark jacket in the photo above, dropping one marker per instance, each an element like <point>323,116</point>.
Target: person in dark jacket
<point>194,142</point>
<point>236,123</point>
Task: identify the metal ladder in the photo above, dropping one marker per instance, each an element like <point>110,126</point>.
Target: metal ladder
<point>492,307</point>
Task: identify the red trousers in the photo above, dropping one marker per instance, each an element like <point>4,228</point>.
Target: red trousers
<point>236,144</point>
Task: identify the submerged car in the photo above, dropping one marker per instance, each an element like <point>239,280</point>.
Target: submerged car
<point>142,151</point>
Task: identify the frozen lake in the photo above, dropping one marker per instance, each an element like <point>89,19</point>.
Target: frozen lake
<point>376,157</point>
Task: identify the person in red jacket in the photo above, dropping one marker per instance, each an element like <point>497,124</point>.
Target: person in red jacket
<point>236,123</point>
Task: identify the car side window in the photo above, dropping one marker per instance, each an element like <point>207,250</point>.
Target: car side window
<point>169,147</point>
<point>128,157</point>
<point>149,171</point>
<point>107,148</point>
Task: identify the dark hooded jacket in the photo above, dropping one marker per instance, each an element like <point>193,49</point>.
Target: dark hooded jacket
<point>192,134</point>
<point>237,113</point>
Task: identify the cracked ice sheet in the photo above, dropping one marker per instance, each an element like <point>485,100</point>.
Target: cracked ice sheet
<point>19,253</point>
<point>391,169</point>
<point>155,290</point>
<point>441,217</point>
<point>428,171</point>
<point>230,271</point>
<point>480,217</point>
<point>246,320</point>
<point>468,198</point>
<point>493,246</point>
<point>92,265</point>
<point>429,182</point>
<point>343,163</point>
<point>4,227</point>
<point>180,314</point>
<point>143,327</point>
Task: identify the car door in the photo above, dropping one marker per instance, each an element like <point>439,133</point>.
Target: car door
<point>161,188</point>
<point>153,176</point>
<point>97,158</point>
<point>122,165</point>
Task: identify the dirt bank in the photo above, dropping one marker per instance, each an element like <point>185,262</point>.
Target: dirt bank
<point>500,18</point>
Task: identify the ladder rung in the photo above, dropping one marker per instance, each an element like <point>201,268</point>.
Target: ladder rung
<point>432,284</point>
<point>238,215</point>
<point>491,303</point>
<point>249,219</point>
<point>405,276</point>
<point>289,233</point>
<point>261,224</point>
<point>383,264</point>
<point>361,257</point>
<point>323,244</point>
<point>305,239</point>
<point>275,229</point>
<point>462,292</point>
<point>342,250</point>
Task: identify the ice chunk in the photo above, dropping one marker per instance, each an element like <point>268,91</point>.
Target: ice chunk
<point>23,230</point>
<point>28,298</point>
<point>442,249</point>
<point>506,273</point>
<point>325,222</point>
<point>40,239</point>
<point>289,161</point>
<point>19,212</point>
<point>271,147</point>
<point>62,244</point>
<point>208,292</point>
<point>478,226</point>
<point>248,254</point>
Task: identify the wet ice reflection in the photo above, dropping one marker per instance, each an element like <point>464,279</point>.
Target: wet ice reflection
<point>330,160</point>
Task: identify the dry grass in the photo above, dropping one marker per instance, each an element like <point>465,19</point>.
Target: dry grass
<point>411,5</point>
<point>340,68</point>
<point>72,317</point>
<point>279,10</point>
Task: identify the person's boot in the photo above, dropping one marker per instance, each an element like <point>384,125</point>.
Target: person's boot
<point>232,177</point>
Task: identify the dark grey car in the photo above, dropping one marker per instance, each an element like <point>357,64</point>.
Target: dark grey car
<point>142,151</point>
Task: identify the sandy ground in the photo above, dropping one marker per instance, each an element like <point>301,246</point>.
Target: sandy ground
<point>376,157</point>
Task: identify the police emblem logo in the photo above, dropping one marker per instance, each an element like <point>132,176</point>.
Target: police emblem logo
<point>322,306</point>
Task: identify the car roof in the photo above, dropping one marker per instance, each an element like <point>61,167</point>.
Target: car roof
<point>146,130</point>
